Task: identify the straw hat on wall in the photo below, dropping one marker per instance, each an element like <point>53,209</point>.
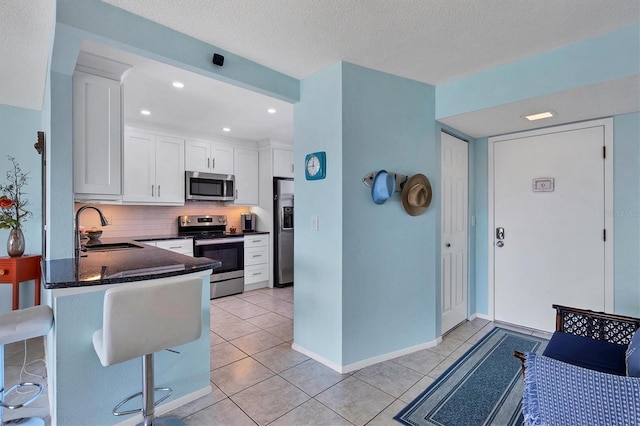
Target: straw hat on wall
<point>416,194</point>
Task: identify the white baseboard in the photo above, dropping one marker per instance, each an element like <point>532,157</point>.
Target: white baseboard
<point>169,406</point>
<point>483,316</point>
<point>343,369</point>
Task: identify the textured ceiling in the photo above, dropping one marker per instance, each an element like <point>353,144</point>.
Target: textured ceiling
<point>432,41</point>
<point>26,29</point>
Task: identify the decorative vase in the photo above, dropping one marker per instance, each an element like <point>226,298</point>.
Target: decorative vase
<point>15,243</point>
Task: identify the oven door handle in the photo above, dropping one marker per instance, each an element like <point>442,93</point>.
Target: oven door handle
<point>218,241</point>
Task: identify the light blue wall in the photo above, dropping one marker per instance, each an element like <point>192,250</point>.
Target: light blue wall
<point>608,57</point>
<point>626,131</point>
<point>318,260</point>
<point>389,260</point>
<point>18,130</point>
<point>626,167</point>
<point>480,177</point>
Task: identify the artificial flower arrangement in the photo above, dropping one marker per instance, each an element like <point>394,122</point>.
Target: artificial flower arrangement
<point>13,210</point>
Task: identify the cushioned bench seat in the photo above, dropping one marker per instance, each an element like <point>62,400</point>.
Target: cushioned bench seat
<point>586,352</point>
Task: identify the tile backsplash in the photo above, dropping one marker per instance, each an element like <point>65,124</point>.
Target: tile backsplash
<point>140,221</point>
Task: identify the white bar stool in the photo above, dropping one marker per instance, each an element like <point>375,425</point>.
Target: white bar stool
<point>145,317</point>
<point>15,326</point>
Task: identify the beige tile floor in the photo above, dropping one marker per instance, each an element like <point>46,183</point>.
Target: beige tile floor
<point>258,379</point>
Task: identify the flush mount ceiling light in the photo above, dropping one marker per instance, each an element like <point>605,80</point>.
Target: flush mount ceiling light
<point>226,129</point>
<point>177,84</point>
<point>540,115</point>
<point>271,110</point>
<point>145,112</point>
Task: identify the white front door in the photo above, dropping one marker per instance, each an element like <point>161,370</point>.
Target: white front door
<point>453,236</point>
<point>548,236</point>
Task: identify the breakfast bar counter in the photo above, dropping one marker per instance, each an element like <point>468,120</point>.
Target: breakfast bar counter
<point>81,390</point>
<point>136,263</point>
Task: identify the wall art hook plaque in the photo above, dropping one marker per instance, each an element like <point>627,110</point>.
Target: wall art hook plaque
<point>400,180</point>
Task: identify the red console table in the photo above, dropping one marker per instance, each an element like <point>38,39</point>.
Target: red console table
<point>14,270</point>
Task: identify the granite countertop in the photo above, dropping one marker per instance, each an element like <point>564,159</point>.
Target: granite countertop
<point>120,266</point>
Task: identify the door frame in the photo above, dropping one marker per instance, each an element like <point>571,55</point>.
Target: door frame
<point>607,124</point>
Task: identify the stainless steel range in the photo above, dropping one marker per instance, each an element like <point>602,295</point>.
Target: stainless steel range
<point>211,240</point>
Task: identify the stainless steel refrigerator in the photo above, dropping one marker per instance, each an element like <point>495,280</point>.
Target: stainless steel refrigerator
<point>283,231</point>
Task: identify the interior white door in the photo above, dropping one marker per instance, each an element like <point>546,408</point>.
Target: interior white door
<point>549,197</point>
<point>454,234</point>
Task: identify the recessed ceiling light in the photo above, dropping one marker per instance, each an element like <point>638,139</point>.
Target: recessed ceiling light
<point>226,129</point>
<point>145,112</point>
<point>271,110</point>
<point>540,115</point>
<point>177,85</point>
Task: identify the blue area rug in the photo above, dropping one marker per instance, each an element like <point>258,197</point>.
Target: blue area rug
<point>484,387</point>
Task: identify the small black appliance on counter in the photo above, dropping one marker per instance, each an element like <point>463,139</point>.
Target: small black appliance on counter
<point>249,222</point>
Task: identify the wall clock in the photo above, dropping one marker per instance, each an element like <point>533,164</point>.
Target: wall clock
<point>315,166</point>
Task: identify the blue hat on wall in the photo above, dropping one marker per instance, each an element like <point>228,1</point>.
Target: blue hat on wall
<point>383,187</point>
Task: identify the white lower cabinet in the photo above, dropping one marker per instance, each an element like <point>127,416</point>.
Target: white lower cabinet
<point>256,261</point>
<point>180,245</point>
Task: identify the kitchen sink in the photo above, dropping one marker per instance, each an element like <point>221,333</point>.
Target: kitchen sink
<point>110,246</point>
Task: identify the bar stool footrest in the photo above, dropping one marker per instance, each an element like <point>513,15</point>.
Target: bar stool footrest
<point>129,398</point>
<point>24,404</point>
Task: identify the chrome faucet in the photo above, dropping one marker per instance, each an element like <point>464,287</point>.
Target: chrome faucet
<point>103,221</point>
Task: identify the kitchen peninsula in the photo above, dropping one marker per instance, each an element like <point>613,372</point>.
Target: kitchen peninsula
<point>81,390</point>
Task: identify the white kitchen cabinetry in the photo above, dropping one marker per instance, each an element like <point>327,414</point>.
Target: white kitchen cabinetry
<point>256,261</point>
<point>153,169</point>
<point>282,163</point>
<point>208,157</point>
<point>97,137</point>
<point>246,173</point>
<point>180,245</point>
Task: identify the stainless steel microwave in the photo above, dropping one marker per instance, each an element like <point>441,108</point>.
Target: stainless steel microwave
<point>209,187</point>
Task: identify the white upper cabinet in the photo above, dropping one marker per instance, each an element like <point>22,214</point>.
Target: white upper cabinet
<point>246,174</point>
<point>97,137</point>
<point>282,163</point>
<point>153,168</point>
<point>208,157</point>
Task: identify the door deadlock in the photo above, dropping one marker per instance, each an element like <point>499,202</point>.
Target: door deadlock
<point>500,236</point>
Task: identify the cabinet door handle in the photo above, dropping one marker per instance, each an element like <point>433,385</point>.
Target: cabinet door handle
<point>158,190</point>
<point>2,271</point>
<point>208,163</point>
<point>213,163</point>
<point>175,247</point>
<point>257,273</point>
<point>152,188</point>
<point>291,167</point>
<point>236,194</point>
<point>257,255</point>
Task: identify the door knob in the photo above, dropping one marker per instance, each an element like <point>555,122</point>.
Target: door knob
<point>448,244</point>
<point>500,244</point>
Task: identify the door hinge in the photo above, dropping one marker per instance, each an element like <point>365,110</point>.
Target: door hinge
<point>604,152</point>
<point>604,235</point>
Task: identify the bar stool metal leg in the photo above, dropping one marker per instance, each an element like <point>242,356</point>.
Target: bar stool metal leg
<point>23,421</point>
